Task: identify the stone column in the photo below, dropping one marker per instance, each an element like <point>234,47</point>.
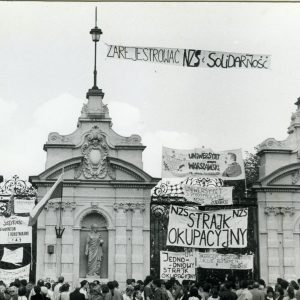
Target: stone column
<point>51,260</point>
<point>137,241</point>
<point>67,242</point>
<point>288,243</point>
<point>121,242</point>
<point>273,219</point>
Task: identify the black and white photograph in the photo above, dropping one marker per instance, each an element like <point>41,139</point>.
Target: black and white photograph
<point>149,150</point>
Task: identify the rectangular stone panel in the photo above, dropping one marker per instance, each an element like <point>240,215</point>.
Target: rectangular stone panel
<point>137,271</point>
<point>137,236</point>
<point>121,236</point>
<point>120,254</point>
<point>120,274</point>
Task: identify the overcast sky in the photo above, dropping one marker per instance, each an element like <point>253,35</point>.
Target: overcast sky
<point>46,65</point>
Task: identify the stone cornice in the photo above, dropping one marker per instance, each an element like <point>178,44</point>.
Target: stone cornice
<point>130,147</point>
<point>129,207</point>
<point>279,210</point>
<point>66,146</point>
<point>278,188</point>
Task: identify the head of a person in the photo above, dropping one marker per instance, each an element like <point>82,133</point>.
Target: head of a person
<point>37,289</point>
<point>280,291</point>
<point>128,281</point>
<point>169,285</point>
<point>294,284</point>
<point>60,279</point>
<point>270,292</point>
<point>206,287</point>
<point>129,290</point>
<point>228,285</point>
<point>147,280</point>
<point>22,291</point>
<point>48,285</point>
<point>65,287</point>
<point>23,282</point>
<point>13,290</point>
<point>194,292</point>
<point>255,285</point>
<point>84,284</point>
<point>291,292</point>
<point>230,158</point>
<point>94,227</point>
<point>156,283</point>
<point>44,290</point>
<point>17,283</point>
<point>40,282</point>
<point>116,284</point>
<point>262,283</point>
<point>105,289</point>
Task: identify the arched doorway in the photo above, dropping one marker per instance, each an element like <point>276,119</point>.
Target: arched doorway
<point>87,221</point>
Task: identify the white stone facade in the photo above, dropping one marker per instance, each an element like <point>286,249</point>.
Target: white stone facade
<point>278,194</point>
<point>103,181</point>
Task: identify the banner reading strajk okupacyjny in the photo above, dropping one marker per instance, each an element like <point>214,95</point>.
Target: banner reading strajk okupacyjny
<point>190,57</point>
<point>207,229</point>
<point>227,165</point>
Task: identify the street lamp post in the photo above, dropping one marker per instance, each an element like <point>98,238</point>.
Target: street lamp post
<point>95,32</point>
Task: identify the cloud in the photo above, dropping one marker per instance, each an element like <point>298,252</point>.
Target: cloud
<point>126,118</point>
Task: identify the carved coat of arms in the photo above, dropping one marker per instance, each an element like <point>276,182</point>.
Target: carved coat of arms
<point>95,151</point>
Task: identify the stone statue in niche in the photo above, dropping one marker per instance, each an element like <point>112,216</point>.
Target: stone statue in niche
<point>94,252</point>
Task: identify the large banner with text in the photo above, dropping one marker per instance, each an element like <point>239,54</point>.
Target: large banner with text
<point>8,276</point>
<point>207,229</point>
<point>15,230</point>
<point>208,195</point>
<point>227,165</point>
<point>194,58</point>
<point>180,265</point>
<point>224,261</point>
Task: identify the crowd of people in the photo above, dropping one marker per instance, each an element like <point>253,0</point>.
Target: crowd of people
<point>152,289</point>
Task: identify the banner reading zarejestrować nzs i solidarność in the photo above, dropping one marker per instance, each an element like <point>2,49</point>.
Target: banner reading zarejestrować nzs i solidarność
<point>190,57</point>
<point>207,229</point>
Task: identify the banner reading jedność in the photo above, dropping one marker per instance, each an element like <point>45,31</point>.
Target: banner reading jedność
<point>180,265</point>
<point>207,229</point>
<point>227,165</point>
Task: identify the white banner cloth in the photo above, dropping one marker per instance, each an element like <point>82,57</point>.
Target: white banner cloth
<point>13,256</point>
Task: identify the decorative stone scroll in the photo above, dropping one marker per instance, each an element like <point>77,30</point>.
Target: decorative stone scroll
<point>279,210</point>
<point>129,207</point>
<point>57,205</point>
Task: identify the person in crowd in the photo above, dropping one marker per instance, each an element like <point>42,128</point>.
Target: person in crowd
<point>44,293</point>
<point>290,294</point>
<point>214,294</point>
<point>169,287</point>
<point>50,292</point>
<point>95,291</point>
<point>12,293</point>
<point>294,284</point>
<point>244,293</point>
<point>113,293</point>
<point>105,290</point>
<point>22,293</point>
<point>270,294</point>
<point>193,294</point>
<point>257,294</point>
<point>84,286</point>
<point>29,287</point>
<point>37,293</point>
<point>205,291</point>
<point>56,290</point>
<point>129,292</point>
<point>148,293</point>
<point>137,295</point>
<point>158,294</point>
<point>226,292</point>
<point>76,295</point>
<point>64,292</point>
<point>279,293</point>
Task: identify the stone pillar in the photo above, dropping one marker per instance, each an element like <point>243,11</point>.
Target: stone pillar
<point>137,241</point>
<point>120,243</point>
<point>67,241</point>
<point>52,261</point>
<point>273,243</point>
<point>289,259</point>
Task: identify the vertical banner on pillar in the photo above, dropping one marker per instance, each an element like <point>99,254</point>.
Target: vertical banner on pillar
<point>207,229</point>
<point>180,265</point>
<point>15,230</point>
